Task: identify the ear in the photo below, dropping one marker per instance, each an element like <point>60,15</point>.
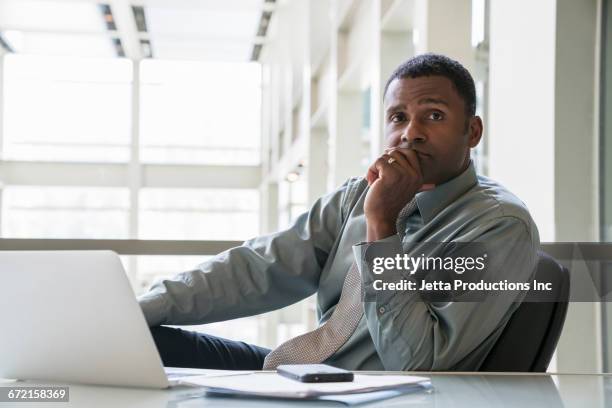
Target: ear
<point>474,131</point>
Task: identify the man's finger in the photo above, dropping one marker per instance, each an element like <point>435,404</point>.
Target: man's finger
<point>412,159</point>
<point>400,159</point>
<point>371,174</point>
<point>376,169</point>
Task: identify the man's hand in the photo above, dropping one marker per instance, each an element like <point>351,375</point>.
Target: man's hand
<point>392,186</point>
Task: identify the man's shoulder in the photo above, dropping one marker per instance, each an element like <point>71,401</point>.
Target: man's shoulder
<point>486,201</point>
<point>487,192</point>
<point>352,189</point>
<point>355,182</point>
<point>494,200</point>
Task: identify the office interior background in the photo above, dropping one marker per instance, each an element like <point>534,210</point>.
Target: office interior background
<point>204,123</point>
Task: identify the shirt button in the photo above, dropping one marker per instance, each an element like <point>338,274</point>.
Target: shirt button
<point>381,310</point>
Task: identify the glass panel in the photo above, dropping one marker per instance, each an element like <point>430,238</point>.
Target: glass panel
<point>72,109</point>
<point>64,212</point>
<point>606,119</point>
<point>213,214</point>
<point>478,22</point>
<point>298,198</point>
<point>480,72</point>
<point>53,15</point>
<point>284,204</point>
<point>82,45</point>
<point>606,170</point>
<point>205,20</point>
<point>479,153</point>
<point>145,270</point>
<point>200,113</point>
<point>366,105</point>
<point>200,50</point>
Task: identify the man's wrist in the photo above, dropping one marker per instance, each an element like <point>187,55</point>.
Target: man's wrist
<point>377,230</point>
<point>153,307</point>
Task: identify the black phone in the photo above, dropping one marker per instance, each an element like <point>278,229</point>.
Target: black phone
<point>312,373</point>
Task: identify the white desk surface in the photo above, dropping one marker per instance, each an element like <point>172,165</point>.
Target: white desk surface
<point>471,390</point>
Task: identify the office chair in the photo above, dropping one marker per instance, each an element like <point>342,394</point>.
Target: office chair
<point>528,341</point>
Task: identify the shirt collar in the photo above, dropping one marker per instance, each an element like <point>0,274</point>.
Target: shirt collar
<point>433,201</point>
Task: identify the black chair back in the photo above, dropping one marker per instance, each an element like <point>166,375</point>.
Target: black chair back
<point>528,341</point>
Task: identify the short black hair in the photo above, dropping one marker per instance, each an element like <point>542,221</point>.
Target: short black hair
<point>439,65</point>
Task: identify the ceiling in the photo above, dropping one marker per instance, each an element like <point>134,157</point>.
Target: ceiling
<point>213,30</point>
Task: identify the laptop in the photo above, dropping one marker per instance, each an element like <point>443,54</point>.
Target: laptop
<point>71,316</point>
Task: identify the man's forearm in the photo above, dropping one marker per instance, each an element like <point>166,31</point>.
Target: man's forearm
<point>379,230</point>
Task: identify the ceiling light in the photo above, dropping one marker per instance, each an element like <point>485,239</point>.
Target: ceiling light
<point>293,177</point>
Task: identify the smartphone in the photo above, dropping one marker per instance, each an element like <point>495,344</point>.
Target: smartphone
<point>314,373</point>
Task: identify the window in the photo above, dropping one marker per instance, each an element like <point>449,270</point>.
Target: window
<point>66,109</point>
<point>145,270</point>
<point>200,113</point>
<point>606,171</point>
<point>480,42</point>
<point>63,110</point>
<point>55,27</point>
<point>198,214</point>
<point>479,16</point>
<point>292,200</point>
<point>64,212</point>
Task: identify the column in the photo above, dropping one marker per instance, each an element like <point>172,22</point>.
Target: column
<point>2,53</point>
<point>134,173</point>
<point>393,44</point>
<point>350,58</point>
<point>543,138</point>
<point>445,27</point>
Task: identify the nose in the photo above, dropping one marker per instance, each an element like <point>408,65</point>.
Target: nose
<point>412,134</point>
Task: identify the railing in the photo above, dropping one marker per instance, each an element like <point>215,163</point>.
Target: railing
<point>592,251</point>
<point>121,246</point>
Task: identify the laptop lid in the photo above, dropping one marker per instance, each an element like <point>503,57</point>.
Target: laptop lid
<point>71,316</point>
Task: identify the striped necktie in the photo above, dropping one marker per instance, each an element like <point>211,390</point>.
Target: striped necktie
<point>318,345</point>
<point>404,218</point>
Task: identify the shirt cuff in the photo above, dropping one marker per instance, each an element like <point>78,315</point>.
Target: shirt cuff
<point>360,249</point>
<point>153,307</point>
<point>364,253</point>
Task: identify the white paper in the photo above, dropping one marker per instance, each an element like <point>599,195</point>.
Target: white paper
<point>178,375</point>
<point>274,385</point>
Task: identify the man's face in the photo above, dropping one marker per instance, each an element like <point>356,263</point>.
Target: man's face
<point>429,113</point>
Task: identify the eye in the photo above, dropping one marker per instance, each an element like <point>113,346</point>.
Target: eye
<point>398,117</point>
<point>436,116</point>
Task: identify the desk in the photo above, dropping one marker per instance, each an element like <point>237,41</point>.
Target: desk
<point>471,390</point>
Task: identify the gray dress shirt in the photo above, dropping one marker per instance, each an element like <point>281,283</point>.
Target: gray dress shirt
<point>397,332</point>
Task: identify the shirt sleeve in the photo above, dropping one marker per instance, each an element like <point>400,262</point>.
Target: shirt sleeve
<point>263,274</point>
<point>411,333</point>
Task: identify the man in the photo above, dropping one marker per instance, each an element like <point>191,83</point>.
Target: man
<point>423,188</point>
